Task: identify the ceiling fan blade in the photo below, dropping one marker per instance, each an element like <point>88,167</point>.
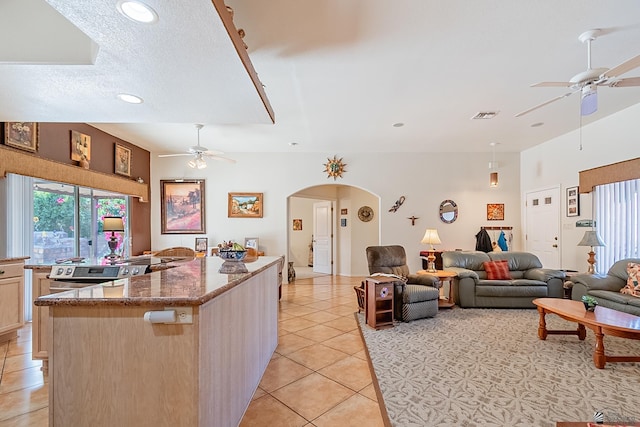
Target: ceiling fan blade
<point>622,68</point>
<point>175,155</point>
<point>552,84</point>
<point>631,81</point>
<point>557,98</point>
<point>217,157</point>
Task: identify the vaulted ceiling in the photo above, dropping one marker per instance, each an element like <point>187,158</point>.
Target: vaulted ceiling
<point>339,75</point>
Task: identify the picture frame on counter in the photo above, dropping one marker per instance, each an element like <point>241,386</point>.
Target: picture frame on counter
<point>182,206</point>
<point>202,244</point>
<point>251,242</point>
<point>22,135</point>
<point>245,205</point>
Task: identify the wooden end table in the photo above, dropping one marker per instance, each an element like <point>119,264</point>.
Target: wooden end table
<point>444,276</point>
<point>601,321</point>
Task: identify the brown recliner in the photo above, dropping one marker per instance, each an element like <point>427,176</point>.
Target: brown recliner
<point>417,295</point>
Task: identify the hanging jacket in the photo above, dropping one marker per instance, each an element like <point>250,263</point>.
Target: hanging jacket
<point>502,242</point>
<point>483,241</point>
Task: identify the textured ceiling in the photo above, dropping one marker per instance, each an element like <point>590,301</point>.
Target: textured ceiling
<point>338,73</point>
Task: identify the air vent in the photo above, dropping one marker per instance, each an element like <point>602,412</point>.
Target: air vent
<point>483,115</point>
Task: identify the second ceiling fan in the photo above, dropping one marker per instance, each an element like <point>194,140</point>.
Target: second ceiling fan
<point>588,81</point>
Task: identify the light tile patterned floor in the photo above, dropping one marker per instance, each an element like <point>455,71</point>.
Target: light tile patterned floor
<point>318,376</point>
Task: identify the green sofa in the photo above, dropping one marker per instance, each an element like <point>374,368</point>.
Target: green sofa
<point>528,280</point>
<point>606,288</point>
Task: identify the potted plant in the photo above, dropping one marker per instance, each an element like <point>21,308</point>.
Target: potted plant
<point>589,302</point>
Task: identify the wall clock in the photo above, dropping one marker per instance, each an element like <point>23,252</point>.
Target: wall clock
<point>365,214</point>
<point>334,167</point>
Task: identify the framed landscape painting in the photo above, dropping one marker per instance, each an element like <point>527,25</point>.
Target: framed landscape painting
<point>182,209</point>
<point>245,205</point>
<point>495,211</point>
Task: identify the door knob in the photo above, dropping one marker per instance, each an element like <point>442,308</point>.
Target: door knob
<point>555,246</point>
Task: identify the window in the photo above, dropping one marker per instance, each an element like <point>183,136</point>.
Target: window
<point>67,222</point>
<point>617,216</point>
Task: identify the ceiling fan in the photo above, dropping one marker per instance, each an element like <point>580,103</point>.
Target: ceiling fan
<point>198,152</point>
<point>588,81</point>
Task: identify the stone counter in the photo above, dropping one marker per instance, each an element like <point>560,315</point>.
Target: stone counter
<point>189,283</point>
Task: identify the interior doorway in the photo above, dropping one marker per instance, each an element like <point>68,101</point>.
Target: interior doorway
<point>324,234</point>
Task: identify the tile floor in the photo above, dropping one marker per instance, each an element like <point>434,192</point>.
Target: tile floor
<point>318,376</point>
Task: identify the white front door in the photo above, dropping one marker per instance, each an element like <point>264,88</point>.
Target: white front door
<point>322,237</point>
<point>542,216</point>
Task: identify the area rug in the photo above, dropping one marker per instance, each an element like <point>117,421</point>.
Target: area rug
<point>487,367</point>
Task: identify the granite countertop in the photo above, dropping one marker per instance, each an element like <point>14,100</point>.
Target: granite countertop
<point>13,259</point>
<point>188,283</point>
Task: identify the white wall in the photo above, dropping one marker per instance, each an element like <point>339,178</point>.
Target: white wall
<point>300,240</point>
<point>425,179</point>
<point>558,161</point>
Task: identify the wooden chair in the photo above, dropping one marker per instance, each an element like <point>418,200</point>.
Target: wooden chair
<point>178,252</point>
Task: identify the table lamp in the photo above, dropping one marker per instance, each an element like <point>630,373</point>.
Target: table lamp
<point>112,224</point>
<point>591,239</point>
<point>431,238</point>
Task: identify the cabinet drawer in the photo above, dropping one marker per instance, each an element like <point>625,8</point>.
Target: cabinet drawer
<point>11,270</point>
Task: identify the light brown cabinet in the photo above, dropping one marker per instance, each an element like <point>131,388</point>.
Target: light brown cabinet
<point>379,302</point>
<point>11,298</point>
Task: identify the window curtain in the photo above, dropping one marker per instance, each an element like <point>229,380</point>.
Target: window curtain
<point>617,216</point>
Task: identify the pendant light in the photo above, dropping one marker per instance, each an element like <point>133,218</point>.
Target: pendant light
<point>493,167</point>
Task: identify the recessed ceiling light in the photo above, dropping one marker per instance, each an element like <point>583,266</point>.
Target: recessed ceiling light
<point>535,125</point>
<point>293,144</point>
<point>137,11</point>
<point>131,99</point>
<point>398,125</point>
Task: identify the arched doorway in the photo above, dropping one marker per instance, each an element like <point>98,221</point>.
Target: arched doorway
<point>349,236</point>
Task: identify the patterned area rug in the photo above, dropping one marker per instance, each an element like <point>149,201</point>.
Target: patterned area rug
<point>487,367</point>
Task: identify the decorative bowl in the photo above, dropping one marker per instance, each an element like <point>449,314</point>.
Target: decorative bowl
<point>232,255</point>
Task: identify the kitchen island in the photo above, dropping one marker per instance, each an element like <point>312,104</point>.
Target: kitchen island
<point>108,366</point>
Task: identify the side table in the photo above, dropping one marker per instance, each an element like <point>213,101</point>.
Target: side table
<point>568,284</point>
<point>379,293</point>
<point>444,276</point>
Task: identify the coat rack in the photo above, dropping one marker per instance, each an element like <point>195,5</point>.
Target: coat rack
<point>497,228</point>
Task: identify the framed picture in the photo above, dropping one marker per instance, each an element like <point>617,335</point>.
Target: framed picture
<point>573,201</point>
<point>245,205</point>
<point>251,242</point>
<point>122,160</point>
<point>182,207</point>
<point>201,244</point>
<point>23,135</point>
<point>297,224</point>
<point>495,211</point>
<point>343,222</point>
<point>80,146</point>
<point>343,211</point>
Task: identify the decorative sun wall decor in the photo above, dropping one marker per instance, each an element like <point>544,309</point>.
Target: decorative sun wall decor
<point>334,167</point>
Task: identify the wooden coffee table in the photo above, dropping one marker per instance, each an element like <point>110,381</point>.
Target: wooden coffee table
<point>601,321</point>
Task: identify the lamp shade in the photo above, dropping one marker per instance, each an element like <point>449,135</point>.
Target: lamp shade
<point>113,223</point>
<point>431,237</point>
<point>493,179</point>
<point>591,238</point>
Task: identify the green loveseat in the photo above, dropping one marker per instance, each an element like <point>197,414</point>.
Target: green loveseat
<point>606,288</point>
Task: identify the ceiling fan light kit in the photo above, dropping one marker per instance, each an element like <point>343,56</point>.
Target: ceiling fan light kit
<point>588,81</point>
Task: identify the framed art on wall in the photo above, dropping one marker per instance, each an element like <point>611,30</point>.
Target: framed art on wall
<point>297,224</point>
<point>573,201</point>
<point>23,135</point>
<point>495,211</point>
<point>80,146</point>
<point>122,160</point>
<point>245,205</point>
<point>182,208</point>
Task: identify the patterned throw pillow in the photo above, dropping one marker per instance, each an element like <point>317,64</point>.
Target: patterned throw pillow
<point>497,270</point>
<point>633,286</point>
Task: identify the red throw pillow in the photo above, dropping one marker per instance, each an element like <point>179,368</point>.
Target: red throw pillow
<point>497,270</point>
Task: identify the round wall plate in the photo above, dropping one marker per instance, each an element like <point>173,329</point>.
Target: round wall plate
<point>365,214</point>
